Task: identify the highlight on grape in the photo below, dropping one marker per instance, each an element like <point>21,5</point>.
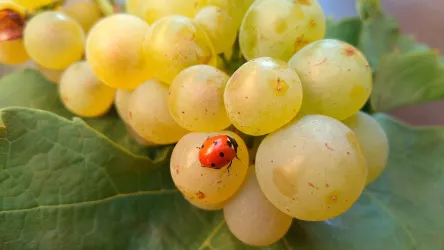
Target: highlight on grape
<point>210,77</point>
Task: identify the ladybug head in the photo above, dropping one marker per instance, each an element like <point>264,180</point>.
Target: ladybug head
<point>232,143</point>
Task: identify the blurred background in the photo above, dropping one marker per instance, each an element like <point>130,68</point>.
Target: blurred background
<point>423,19</point>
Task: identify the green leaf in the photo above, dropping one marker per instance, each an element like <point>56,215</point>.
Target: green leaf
<point>28,88</point>
<point>404,79</point>
<point>347,30</point>
<point>65,186</point>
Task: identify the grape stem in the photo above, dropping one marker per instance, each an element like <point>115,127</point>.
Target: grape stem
<point>106,6</point>
<point>236,59</point>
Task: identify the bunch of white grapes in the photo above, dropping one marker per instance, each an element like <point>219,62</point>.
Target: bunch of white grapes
<point>158,65</point>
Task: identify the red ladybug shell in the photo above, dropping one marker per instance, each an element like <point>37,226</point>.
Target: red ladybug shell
<point>218,151</point>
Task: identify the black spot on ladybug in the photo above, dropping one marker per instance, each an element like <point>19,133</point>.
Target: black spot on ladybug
<point>215,143</point>
<point>221,154</point>
<point>213,165</point>
<point>202,146</point>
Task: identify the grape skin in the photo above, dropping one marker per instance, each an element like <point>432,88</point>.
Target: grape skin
<point>313,169</point>
<point>336,78</point>
<point>149,115</point>
<point>31,4</point>
<point>134,7</point>
<point>85,12</point>
<point>175,43</point>
<point>82,93</point>
<point>373,140</point>
<point>262,95</point>
<point>13,52</point>
<point>153,10</point>
<point>114,51</point>
<point>204,206</point>
<point>52,75</point>
<point>279,28</point>
<point>219,26</point>
<point>196,99</point>
<point>252,218</point>
<point>54,40</point>
<point>201,184</point>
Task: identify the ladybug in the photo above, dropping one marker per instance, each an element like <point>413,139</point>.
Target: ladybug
<point>218,151</point>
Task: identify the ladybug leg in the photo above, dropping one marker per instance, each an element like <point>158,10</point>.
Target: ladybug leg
<point>237,157</point>
<point>229,166</point>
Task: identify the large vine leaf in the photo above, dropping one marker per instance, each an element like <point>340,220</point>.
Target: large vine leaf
<point>28,88</point>
<point>65,186</point>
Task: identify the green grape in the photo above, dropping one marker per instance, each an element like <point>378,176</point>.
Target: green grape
<point>85,12</point>
<point>336,78</point>
<point>313,169</point>
<point>279,28</point>
<point>12,49</point>
<point>175,43</point>
<point>114,51</point>
<point>82,93</point>
<point>154,10</point>
<point>196,99</point>
<point>252,218</point>
<point>31,4</point>
<point>121,102</point>
<point>149,116</point>
<point>262,95</point>
<point>54,40</point>
<point>373,140</point>
<point>204,206</point>
<point>53,75</point>
<point>13,52</point>
<point>219,27</point>
<point>235,8</point>
<point>201,184</point>
<point>134,7</point>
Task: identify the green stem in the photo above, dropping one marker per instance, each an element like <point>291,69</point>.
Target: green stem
<point>106,6</point>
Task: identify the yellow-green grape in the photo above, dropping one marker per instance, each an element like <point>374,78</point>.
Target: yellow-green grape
<point>13,52</point>
<point>12,49</point>
<point>262,95</point>
<point>252,218</point>
<point>235,8</point>
<point>134,7</point>
<point>31,4</point>
<point>313,169</point>
<point>121,102</point>
<point>279,28</point>
<point>54,40</point>
<point>373,140</point>
<point>82,93</point>
<point>114,51</point>
<point>204,206</point>
<point>219,26</point>
<point>154,10</point>
<point>196,99</point>
<point>175,43</point>
<point>149,116</point>
<point>202,184</point>
<point>85,12</point>
<point>53,75</point>
<point>336,78</point>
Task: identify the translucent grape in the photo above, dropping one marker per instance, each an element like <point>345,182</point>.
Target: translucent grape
<point>82,93</point>
<point>219,26</point>
<point>13,52</point>
<point>175,43</point>
<point>252,218</point>
<point>204,206</point>
<point>196,99</point>
<point>31,4</point>
<point>262,95</point>
<point>373,140</point>
<point>134,7</point>
<point>53,75</point>
<point>149,115</point>
<point>279,28</point>
<point>313,169</point>
<point>114,51</point>
<point>201,184</point>
<point>235,8</point>
<point>54,40</point>
<point>154,10</point>
<point>336,78</point>
<point>121,102</point>
<point>85,12</point>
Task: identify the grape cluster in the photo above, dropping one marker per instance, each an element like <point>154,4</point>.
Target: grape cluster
<point>298,97</point>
